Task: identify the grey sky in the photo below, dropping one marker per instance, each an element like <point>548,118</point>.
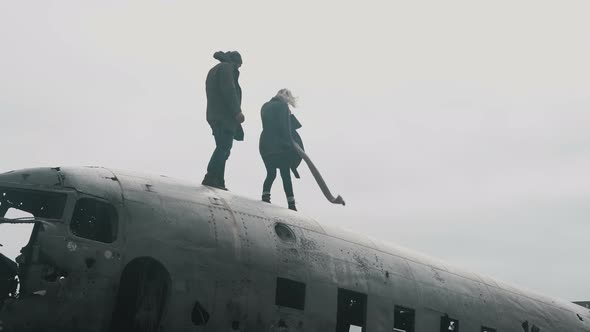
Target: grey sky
<point>455,128</point>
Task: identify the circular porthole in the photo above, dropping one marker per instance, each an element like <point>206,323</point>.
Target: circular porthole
<point>284,232</point>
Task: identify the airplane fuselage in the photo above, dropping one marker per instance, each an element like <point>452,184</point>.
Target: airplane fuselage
<point>116,251</point>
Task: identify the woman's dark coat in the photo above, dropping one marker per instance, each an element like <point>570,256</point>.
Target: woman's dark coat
<point>224,98</point>
<point>278,128</point>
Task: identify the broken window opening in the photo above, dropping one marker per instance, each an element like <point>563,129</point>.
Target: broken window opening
<point>487,329</point>
<point>352,310</point>
<point>13,237</point>
<point>448,324</point>
<point>48,205</point>
<point>94,220</point>
<point>403,319</point>
<point>290,293</point>
<point>25,205</point>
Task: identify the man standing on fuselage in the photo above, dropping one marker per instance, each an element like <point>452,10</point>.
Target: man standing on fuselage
<point>224,113</point>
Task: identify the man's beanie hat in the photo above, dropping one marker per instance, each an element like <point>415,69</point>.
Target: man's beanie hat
<point>231,56</point>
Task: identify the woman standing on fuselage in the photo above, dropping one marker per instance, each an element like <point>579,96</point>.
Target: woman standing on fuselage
<point>276,148</point>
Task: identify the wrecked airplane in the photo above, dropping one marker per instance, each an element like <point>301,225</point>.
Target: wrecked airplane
<point>116,251</point>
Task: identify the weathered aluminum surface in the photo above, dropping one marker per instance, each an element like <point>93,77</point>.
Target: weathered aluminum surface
<point>222,251</point>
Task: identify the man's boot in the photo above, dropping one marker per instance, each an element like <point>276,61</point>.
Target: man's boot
<point>209,180</point>
<point>291,201</point>
<point>266,197</point>
<point>212,181</point>
<point>221,185</point>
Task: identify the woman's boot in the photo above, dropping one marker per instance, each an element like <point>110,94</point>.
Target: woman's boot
<point>291,201</point>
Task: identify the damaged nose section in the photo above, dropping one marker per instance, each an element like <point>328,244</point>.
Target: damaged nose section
<point>30,284</point>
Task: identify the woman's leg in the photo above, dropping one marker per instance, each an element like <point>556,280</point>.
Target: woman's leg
<point>288,186</point>
<point>271,175</point>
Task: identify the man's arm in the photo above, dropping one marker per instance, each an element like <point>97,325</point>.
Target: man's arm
<point>228,88</point>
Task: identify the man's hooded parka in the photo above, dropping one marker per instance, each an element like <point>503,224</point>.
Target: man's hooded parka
<point>224,94</point>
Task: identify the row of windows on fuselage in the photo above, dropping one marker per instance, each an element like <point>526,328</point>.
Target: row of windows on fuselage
<point>352,307</point>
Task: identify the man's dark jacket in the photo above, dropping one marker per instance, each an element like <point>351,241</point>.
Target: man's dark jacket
<point>278,128</point>
<point>224,98</point>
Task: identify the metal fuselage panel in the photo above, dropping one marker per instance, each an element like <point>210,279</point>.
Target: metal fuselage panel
<point>222,252</point>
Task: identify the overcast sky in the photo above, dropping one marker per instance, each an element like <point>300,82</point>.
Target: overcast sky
<point>456,128</point>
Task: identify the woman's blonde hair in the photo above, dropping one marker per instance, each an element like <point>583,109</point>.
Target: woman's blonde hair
<point>286,96</point>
